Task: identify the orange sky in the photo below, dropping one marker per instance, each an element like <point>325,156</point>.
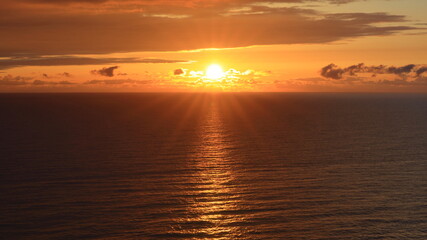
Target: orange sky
<point>165,45</point>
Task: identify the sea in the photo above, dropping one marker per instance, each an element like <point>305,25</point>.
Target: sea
<point>213,166</point>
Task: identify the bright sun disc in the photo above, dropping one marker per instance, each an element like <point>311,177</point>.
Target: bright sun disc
<point>214,72</point>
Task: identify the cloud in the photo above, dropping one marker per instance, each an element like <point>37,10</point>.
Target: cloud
<point>421,70</point>
<point>10,80</point>
<point>421,82</point>
<point>41,82</point>
<point>332,71</point>
<point>23,61</point>
<point>401,70</point>
<point>66,74</point>
<point>107,71</point>
<point>179,71</point>
<point>129,26</point>
<point>231,79</point>
<point>361,77</point>
<point>119,82</point>
<point>372,76</point>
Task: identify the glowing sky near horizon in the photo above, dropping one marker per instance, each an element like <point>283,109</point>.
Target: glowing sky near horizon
<point>140,45</point>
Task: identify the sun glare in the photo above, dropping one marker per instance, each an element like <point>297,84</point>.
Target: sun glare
<point>214,72</point>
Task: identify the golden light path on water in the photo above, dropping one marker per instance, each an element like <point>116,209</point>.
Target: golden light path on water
<point>216,199</point>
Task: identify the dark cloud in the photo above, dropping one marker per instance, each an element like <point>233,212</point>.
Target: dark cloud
<point>14,62</point>
<point>206,24</point>
<point>421,71</point>
<point>65,74</point>
<point>401,70</point>
<point>178,71</point>
<point>41,82</point>
<point>332,71</point>
<point>361,76</point>
<point>118,82</point>
<point>107,71</point>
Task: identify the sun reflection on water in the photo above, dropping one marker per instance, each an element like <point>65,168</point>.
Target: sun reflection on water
<point>215,199</point>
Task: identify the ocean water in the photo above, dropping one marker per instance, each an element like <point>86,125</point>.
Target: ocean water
<point>213,166</point>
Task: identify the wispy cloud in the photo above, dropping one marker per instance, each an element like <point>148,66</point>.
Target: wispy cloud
<point>23,61</point>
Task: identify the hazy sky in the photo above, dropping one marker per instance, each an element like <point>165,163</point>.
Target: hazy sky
<point>168,45</point>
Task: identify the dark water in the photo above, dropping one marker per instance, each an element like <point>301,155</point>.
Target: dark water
<point>206,166</point>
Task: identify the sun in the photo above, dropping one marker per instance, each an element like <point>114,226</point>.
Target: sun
<point>214,72</point>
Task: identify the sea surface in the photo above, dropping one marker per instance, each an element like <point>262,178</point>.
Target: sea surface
<point>213,166</point>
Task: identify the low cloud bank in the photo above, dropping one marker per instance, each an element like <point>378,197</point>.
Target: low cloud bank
<point>333,71</point>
